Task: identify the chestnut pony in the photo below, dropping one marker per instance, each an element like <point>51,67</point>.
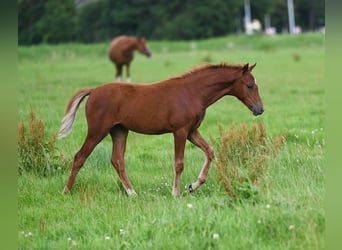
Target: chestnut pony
<point>121,52</point>
<point>176,105</point>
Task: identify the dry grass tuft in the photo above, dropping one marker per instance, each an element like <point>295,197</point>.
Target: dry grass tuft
<point>36,153</point>
<point>242,160</point>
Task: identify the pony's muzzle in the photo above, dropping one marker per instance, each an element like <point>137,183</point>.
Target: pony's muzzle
<point>258,110</point>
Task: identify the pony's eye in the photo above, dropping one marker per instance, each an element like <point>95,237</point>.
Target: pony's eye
<point>249,86</point>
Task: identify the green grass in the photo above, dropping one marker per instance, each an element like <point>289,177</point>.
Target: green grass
<point>290,215</point>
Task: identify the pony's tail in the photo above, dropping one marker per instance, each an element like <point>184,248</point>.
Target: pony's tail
<point>71,110</point>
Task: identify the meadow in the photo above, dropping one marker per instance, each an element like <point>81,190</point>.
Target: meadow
<point>97,214</point>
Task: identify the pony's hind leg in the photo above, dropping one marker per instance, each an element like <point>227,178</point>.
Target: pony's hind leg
<point>179,140</point>
<point>80,157</point>
<point>118,72</point>
<point>196,138</point>
<point>119,137</point>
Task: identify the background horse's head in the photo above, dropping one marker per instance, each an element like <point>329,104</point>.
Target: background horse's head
<point>142,47</point>
<point>246,90</point>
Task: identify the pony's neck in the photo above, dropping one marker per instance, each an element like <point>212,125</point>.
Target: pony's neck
<point>212,84</point>
<point>132,45</point>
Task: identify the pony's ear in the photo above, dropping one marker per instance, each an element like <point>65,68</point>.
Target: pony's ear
<point>245,68</point>
<point>252,67</point>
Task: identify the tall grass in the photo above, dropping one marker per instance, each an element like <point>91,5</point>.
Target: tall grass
<point>242,160</point>
<point>37,152</point>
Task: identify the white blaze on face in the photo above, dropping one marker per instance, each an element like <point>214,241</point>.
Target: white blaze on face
<point>255,81</point>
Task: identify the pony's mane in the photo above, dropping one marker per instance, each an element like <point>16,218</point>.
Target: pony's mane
<point>206,65</point>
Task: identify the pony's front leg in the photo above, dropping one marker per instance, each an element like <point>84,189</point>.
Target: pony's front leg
<point>118,72</point>
<point>179,140</point>
<point>128,76</point>
<point>196,138</point>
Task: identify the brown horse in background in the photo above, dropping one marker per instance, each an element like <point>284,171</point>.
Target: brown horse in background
<point>176,105</point>
<point>121,52</point>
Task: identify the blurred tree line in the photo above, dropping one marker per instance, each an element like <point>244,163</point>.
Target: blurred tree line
<point>52,21</point>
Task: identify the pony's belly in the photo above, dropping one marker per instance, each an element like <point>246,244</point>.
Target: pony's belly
<point>148,128</point>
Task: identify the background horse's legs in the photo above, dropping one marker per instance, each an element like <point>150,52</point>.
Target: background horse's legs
<point>179,140</point>
<point>196,138</point>
<point>128,77</point>
<point>118,72</point>
<point>119,137</point>
<point>80,157</point>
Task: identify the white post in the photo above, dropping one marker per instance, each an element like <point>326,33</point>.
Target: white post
<point>248,28</point>
<point>291,16</point>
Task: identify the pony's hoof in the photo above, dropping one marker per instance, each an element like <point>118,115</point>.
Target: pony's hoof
<point>191,189</point>
<point>131,192</point>
<point>66,190</point>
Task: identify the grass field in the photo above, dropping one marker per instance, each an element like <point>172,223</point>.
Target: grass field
<point>98,214</point>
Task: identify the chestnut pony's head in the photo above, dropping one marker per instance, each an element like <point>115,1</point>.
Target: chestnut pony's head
<point>246,90</point>
<point>142,47</point>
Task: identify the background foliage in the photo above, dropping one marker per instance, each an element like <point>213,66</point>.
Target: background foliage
<point>44,21</point>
